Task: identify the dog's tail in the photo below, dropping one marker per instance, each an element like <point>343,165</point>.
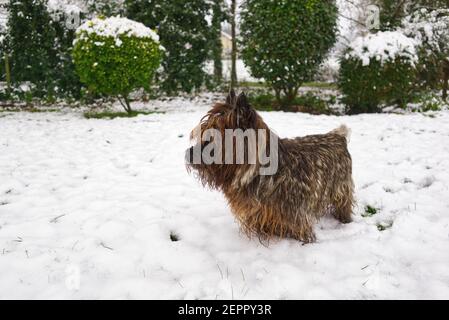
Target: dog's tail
<point>343,131</point>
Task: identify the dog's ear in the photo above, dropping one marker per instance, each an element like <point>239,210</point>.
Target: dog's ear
<point>242,102</point>
<point>231,99</point>
<point>246,115</point>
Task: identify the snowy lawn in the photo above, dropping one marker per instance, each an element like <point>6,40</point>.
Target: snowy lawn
<point>106,199</point>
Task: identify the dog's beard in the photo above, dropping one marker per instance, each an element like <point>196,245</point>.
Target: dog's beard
<point>203,172</point>
<point>212,176</point>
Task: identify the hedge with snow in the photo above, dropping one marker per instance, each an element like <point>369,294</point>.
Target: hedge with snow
<point>430,28</point>
<point>116,56</point>
<point>378,69</point>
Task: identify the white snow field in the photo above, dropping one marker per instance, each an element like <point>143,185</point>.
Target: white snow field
<point>88,207</point>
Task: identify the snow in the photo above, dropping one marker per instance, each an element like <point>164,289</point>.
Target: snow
<point>115,27</point>
<point>329,70</point>
<point>350,22</point>
<point>3,15</point>
<point>243,72</point>
<point>63,6</point>
<point>97,200</point>
<point>428,28</point>
<point>383,46</point>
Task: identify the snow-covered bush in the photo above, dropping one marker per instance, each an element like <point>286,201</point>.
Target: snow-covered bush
<point>429,102</point>
<point>430,28</point>
<point>285,42</point>
<point>392,12</point>
<point>115,56</point>
<point>378,69</point>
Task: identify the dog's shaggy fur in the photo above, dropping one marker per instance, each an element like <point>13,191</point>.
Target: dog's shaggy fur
<point>314,177</point>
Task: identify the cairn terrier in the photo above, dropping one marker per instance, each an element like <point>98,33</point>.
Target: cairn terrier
<point>281,195</point>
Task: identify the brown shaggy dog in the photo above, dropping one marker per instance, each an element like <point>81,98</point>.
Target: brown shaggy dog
<point>313,177</point>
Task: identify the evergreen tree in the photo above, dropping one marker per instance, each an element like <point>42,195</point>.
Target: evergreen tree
<point>31,44</point>
<point>184,33</point>
<point>218,16</point>
<point>284,42</point>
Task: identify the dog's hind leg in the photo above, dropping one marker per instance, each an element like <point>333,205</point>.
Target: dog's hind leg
<point>343,213</point>
<point>344,202</point>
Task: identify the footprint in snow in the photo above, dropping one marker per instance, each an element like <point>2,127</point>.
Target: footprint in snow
<point>426,182</point>
<point>174,237</point>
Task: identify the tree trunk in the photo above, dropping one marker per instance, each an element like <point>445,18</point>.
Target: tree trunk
<point>234,45</point>
<point>278,98</point>
<point>128,104</point>
<point>286,101</point>
<point>445,79</point>
<point>289,98</point>
<point>7,72</point>
<point>217,50</point>
<point>125,103</point>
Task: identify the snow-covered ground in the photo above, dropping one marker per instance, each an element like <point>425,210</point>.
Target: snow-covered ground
<point>88,207</point>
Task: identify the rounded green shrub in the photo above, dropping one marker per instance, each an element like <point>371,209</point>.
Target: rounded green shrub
<point>116,56</point>
<point>377,70</point>
<point>284,42</point>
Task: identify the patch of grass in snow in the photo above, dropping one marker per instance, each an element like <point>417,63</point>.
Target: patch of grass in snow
<point>321,85</point>
<point>384,226</point>
<point>28,109</point>
<point>428,102</point>
<point>36,110</point>
<point>249,84</point>
<point>314,84</point>
<point>307,103</point>
<point>117,114</point>
<point>370,211</point>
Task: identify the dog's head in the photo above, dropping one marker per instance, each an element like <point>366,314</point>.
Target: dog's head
<point>226,141</point>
